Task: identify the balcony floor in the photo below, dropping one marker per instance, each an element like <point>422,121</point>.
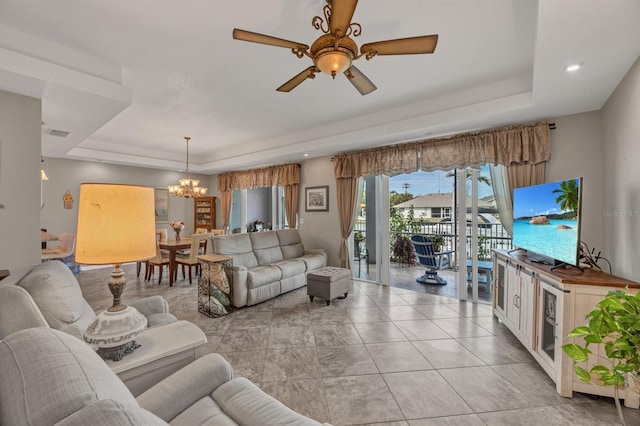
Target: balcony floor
<point>403,276</point>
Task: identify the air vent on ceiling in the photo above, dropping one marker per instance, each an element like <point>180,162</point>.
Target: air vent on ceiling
<point>57,133</point>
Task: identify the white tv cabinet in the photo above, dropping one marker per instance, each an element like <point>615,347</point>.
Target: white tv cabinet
<point>541,306</point>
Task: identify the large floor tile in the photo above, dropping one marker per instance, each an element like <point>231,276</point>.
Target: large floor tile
<point>371,332</point>
<point>291,336</point>
<point>329,316</point>
<point>290,364</point>
<point>397,313</point>
<point>447,353</point>
<point>436,310</point>
<point>464,420</point>
<point>249,339</point>
<point>303,396</point>
<point>346,360</point>
<point>485,390</point>
<point>367,314</point>
<point>470,309</point>
<point>494,350</point>
<point>360,399</point>
<point>290,317</point>
<point>425,394</point>
<point>461,327</point>
<point>421,330</point>
<point>336,335</point>
<point>396,357</point>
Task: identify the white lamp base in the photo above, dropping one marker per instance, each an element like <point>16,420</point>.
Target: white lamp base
<point>113,332</point>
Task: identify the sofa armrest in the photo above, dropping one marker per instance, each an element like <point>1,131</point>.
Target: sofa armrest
<point>18,310</point>
<point>322,252</point>
<point>151,305</point>
<point>240,290</point>
<point>185,387</point>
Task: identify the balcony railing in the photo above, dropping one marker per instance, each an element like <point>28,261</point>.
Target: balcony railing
<point>490,236</point>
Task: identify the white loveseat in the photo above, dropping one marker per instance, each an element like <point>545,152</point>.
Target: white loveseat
<point>266,264</point>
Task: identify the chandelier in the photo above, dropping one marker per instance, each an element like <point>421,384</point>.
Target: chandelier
<point>187,187</point>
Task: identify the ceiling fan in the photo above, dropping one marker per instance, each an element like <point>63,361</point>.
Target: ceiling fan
<point>335,51</point>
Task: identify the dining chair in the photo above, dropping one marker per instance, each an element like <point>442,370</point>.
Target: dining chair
<point>192,259</point>
<point>159,260</point>
<point>161,236</point>
<point>65,248</point>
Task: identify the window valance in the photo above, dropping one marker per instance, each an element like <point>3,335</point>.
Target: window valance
<point>285,174</point>
<point>521,144</point>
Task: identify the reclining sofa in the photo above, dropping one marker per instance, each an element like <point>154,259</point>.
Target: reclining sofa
<point>266,264</point>
<point>48,377</point>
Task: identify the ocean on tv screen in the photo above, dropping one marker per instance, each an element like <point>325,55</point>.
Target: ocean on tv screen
<point>558,239</point>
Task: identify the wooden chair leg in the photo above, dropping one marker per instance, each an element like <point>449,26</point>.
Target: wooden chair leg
<point>183,275</point>
<point>189,273</point>
<point>138,268</point>
<point>160,275</point>
<point>147,272</point>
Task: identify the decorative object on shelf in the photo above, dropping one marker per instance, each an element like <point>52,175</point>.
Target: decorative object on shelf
<point>43,175</point>
<point>67,200</point>
<point>115,225</point>
<point>177,226</point>
<point>317,199</point>
<point>187,187</point>
<point>614,323</point>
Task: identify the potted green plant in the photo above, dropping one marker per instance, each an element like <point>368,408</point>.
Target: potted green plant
<point>438,241</point>
<point>403,251</point>
<point>615,323</point>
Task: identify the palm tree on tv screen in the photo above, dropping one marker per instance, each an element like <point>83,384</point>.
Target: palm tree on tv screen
<point>568,195</point>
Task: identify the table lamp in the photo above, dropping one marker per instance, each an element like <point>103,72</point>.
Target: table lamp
<point>116,224</point>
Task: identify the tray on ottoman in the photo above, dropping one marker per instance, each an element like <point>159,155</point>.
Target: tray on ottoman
<point>328,283</point>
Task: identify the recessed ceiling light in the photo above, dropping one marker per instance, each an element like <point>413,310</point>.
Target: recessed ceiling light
<point>306,155</point>
<point>573,67</point>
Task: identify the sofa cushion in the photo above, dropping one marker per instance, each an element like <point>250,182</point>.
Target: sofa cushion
<point>290,268</point>
<point>314,261</point>
<point>203,412</point>
<point>238,247</point>
<point>45,386</point>
<point>261,275</point>
<point>57,293</point>
<point>246,404</point>
<point>266,247</point>
<point>290,243</point>
<point>108,412</point>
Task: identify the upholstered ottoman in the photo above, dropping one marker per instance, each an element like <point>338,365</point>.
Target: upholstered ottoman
<point>328,283</point>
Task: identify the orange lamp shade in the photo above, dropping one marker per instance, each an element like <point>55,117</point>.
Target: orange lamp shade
<point>116,224</point>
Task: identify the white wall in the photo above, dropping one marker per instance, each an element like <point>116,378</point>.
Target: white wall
<point>576,151</point>
<point>20,147</point>
<point>69,174</point>
<point>621,175</point>
<point>320,229</point>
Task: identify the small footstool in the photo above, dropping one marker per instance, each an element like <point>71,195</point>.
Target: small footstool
<point>328,283</point>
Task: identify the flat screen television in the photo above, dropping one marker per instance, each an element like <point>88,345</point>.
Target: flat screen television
<point>546,221</point>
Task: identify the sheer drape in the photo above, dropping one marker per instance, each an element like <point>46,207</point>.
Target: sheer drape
<point>287,175</point>
<point>505,179</point>
<point>347,191</point>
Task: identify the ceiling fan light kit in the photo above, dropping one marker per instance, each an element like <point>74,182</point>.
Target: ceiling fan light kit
<point>335,51</point>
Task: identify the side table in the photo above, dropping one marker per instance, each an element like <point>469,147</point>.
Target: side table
<point>215,286</point>
<point>163,350</point>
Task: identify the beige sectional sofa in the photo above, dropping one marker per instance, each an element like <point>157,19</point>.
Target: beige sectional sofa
<point>266,264</point>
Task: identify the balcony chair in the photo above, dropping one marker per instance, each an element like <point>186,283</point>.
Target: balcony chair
<point>360,254</point>
<point>423,247</point>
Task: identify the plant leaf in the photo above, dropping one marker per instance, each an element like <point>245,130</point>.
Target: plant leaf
<point>582,373</point>
<point>579,331</point>
<point>575,352</point>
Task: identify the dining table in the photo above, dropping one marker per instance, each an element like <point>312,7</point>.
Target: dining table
<point>173,245</point>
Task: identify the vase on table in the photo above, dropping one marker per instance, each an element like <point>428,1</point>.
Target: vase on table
<point>177,235</point>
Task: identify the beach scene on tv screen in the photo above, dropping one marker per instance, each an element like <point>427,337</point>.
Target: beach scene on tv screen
<point>546,219</point>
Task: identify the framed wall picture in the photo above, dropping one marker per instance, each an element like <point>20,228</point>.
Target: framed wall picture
<point>161,196</point>
<point>317,199</point>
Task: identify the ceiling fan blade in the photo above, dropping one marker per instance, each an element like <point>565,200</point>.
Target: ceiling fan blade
<point>402,46</point>
<point>265,39</point>
<point>341,14</point>
<point>297,79</point>
<point>360,81</point>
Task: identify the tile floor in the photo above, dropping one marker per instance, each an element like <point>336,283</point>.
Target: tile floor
<point>384,355</point>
